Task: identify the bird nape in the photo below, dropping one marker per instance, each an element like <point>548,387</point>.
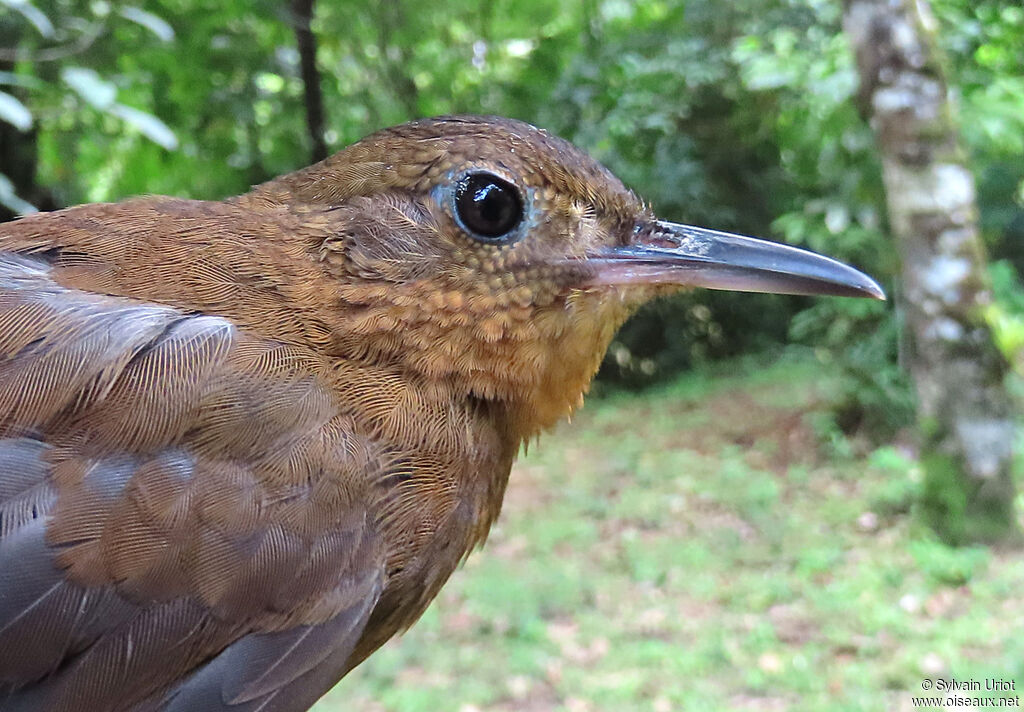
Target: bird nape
<point>243,443</point>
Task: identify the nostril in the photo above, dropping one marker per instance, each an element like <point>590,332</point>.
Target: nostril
<point>649,233</point>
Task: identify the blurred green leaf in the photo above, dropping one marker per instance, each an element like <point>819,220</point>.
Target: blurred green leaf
<point>90,86</point>
<point>33,14</point>
<point>9,198</point>
<point>150,126</point>
<point>19,80</point>
<point>14,112</point>
<point>155,24</point>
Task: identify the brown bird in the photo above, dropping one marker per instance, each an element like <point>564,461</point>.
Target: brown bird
<point>243,443</point>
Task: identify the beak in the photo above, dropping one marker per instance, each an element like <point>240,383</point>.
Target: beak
<point>668,253</point>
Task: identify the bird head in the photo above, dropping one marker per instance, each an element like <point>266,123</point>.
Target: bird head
<point>490,256</point>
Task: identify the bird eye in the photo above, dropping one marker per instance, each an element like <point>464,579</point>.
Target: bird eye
<point>487,207</point>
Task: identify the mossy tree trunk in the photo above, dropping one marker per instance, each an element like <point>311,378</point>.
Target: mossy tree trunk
<point>965,413</point>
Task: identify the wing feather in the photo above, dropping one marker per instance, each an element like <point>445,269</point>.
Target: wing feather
<point>183,509</point>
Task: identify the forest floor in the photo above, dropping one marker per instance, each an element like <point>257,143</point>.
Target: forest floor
<point>711,545</point>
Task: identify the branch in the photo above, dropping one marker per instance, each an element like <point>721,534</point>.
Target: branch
<point>53,54</point>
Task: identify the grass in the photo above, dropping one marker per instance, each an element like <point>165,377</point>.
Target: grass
<point>710,546</point>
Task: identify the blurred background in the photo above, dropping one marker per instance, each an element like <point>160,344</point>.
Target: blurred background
<point>755,511</point>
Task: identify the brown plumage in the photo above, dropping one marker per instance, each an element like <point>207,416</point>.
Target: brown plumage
<point>243,443</point>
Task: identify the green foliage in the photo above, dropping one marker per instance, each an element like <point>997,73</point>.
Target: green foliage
<point>895,494</point>
<point>944,499</point>
<point>1005,315</point>
<point>959,510</point>
<point>874,399</point>
<point>949,566</point>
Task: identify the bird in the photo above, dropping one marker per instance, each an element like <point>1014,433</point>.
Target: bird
<point>245,442</point>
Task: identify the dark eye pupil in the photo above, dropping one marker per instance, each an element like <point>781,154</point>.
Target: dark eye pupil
<point>488,207</point>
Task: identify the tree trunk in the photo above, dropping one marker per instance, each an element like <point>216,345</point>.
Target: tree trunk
<point>965,413</point>
<point>18,153</point>
<point>302,17</point>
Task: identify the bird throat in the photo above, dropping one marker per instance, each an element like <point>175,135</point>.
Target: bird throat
<point>536,361</point>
